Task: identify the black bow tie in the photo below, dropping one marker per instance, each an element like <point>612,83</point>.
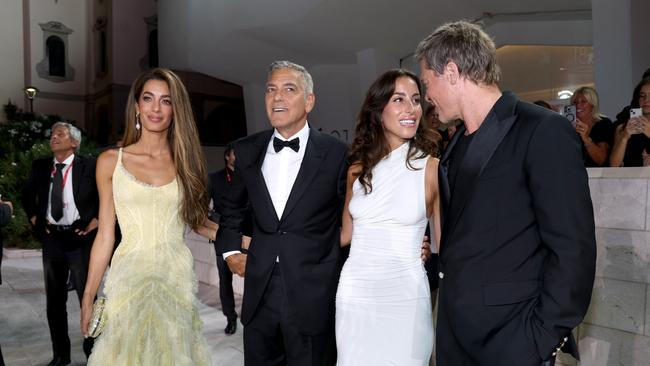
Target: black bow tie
<point>281,144</point>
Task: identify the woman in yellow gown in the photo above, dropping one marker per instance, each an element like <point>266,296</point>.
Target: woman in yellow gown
<point>155,185</point>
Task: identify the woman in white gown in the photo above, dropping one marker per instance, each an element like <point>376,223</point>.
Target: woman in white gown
<point>383,305</point>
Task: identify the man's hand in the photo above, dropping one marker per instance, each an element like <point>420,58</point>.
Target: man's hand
<point>33,220</point>
<point>91,226</point>
<point>426,249</point>
<point>237,263</point>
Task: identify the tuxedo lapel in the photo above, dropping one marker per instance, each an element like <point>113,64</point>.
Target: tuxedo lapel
<point>488,137</point>
<point>308,169</point>
<point>254,170</point>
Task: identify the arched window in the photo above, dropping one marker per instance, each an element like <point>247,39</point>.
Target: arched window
<point>55,49</point>
<point>55,65</point>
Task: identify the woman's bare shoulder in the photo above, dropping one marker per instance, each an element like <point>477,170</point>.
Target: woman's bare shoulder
<point>107,160</point>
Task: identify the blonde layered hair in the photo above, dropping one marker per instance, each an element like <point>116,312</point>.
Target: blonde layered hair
<point>591,96</point>
<point>183,138</point>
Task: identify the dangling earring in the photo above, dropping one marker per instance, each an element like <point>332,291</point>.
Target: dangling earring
<point>137,120</point>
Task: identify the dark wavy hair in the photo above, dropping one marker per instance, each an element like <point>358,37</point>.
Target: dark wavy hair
<point>370,145</point>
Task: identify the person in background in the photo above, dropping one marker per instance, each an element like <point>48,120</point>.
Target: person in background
<point>222,184</point>
<point>624,114</point>
<point>632,138</point>
<point>6,210</point>
<point>61,200</point>
<point>596,131</point>
<point>431,118</point>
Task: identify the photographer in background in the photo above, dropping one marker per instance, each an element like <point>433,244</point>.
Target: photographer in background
<point>632,138</point>
<point>596,131</point>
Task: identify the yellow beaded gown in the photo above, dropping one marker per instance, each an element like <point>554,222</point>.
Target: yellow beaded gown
<point>151,307</point>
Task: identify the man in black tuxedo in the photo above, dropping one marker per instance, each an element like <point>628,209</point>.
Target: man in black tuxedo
<point>223,184</point>
<point>518,250</point>
<point>61,200</point>
<point>295,186</point>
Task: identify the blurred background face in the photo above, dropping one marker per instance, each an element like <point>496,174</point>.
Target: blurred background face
<point>287,105</point>
<point>402,113</point>
<point>230,159</point>
<point>60,141</point>
<point>432,118</point>
<point>584,109</point>
<point>155,106</point>
<point>644,99</point>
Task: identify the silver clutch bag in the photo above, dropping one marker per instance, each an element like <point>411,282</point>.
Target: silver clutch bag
<point>98,319</point>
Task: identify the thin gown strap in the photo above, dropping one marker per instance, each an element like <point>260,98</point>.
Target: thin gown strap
<point>119,156</point>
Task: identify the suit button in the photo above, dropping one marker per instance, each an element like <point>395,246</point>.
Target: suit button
<point>441,275</point>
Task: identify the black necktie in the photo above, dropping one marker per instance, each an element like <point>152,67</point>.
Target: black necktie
<point>280,144</point>
<point>56,198</point>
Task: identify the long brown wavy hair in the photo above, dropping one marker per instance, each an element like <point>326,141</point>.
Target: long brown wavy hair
<point>370,145</point>
<point>183,138</point>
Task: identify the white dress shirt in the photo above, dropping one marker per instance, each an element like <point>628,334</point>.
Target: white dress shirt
<point>70,212</point>
<point>280,170</point>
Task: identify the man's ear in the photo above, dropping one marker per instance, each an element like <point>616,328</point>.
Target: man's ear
<point>311,101</point>
<point>451,72</point>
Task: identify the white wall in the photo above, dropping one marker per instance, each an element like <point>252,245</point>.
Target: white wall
<point>11,51</point>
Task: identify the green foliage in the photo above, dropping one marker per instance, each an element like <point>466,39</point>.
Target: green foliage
<point>23,139</point>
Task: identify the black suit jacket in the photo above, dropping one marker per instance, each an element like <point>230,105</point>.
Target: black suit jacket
<point>84,190</point>
<point>306,237</point>
<point>226,215</point>
<point>518,247</point>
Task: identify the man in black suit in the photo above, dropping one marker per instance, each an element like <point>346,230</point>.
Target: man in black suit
<point>6,210</point>
<point>295,186</point>
<point>517,254</point>
<point>223,184</point>
<point>61,200</point>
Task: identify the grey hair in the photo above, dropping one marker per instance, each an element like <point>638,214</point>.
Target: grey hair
<point>73,131</point>
<point>466,45</point>
<point>309,82</point>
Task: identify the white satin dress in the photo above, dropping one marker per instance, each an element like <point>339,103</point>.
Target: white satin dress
<point>383,305</point>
